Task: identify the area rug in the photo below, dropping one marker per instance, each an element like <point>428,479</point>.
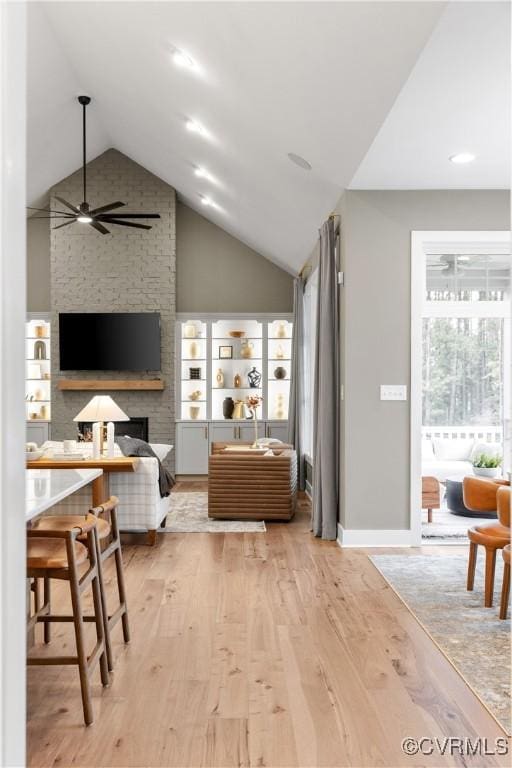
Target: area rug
<point>475,641</point>
<point>188,513</point>
<point>453,529</point>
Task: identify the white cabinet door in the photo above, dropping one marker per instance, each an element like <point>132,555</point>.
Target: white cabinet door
<point>247,431</point>
<point>192,448</point>
<point>278,430</point>
<point>38,433</point>
<point>223,433</point>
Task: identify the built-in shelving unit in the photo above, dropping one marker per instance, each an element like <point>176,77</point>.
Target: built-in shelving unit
<point>38,377</point>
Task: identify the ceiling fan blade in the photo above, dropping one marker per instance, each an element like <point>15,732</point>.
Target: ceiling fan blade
<point>68,205</point>
<point>56,216</point>
<point>66,223</point>
<point>48,210</point>
<point>127,224</point>
<point>105,208</point>
<point>99,227</point>
<point>102,216</point>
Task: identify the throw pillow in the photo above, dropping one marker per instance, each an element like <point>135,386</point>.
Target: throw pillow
<point>453,450</point>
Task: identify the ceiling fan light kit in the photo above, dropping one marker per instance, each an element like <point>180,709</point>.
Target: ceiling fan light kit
<point>97,217</point>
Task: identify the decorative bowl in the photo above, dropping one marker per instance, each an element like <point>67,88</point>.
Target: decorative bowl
<point>33,455</point>
<point>237,334</point>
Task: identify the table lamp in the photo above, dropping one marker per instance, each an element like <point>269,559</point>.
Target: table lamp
<point>100,409</point>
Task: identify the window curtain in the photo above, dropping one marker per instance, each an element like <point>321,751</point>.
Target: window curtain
<point>295,411</point>
<point>324,521</point>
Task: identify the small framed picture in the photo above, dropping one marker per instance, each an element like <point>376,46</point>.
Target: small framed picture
<point>225,353</point>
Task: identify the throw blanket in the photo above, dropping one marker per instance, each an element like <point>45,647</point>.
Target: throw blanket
<point>132,446</point>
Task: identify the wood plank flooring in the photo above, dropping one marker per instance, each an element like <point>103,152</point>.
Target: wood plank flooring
<point>259,650</point>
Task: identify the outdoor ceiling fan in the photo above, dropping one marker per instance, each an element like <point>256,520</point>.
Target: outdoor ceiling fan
<point>83,213</point>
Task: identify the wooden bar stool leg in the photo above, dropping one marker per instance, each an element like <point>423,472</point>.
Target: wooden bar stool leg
<point>429,515</point>
<point>490,567</point>
<point>47,596</point>
<point>78,623</point>
<point>104,609</point>
<point>101,634</point>
<point>473,551</point>
<point>122,592</point>
<point>505,591</point>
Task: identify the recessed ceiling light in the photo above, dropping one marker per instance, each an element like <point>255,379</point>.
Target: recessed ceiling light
<point>195,127</point>
<point>84,219</point>
<point>182,59</point>
<point>462,157</point>
<point>300,161</point>
<point>202,173</point>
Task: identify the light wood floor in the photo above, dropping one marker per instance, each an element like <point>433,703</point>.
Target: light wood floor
<point>268,649</point>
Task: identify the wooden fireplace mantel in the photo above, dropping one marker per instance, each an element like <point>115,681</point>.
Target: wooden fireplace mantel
<point>111,384</point>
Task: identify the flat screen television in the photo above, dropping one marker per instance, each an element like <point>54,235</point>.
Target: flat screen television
<point>114,341</point>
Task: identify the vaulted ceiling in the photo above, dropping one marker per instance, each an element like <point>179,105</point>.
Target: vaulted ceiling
<point>322,80</point>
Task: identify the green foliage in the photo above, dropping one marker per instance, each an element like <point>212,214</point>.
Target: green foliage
<point>462,371</point>
<point>486,461</point>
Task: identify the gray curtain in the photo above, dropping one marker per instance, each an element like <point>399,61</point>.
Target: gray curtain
<point>297,379</point>
<point>324,520</point>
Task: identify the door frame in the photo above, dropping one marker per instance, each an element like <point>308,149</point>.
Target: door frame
<point>423,243</point>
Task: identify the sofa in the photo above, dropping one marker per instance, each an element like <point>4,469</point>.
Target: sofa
<point>442,458</point>
<point>141,508</point>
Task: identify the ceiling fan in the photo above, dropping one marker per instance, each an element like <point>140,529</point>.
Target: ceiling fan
<point>96,217</point>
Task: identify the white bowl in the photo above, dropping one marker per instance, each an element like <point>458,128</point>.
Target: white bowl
<point>33,455</point>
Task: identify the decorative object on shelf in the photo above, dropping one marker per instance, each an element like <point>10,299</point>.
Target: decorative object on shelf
<point>194,374</point>
<point>225,352</point>
<point>195,395</point>
<point>193,350</point>
<point>279,408</point>
<point>237,381</point>
<point>219,378</point>
<point>38,394</point>
<point>39,350</point>
<point>190,330</point>
<point>82,213</point>
<point>46,376</point>
<point>254,378</point>
<point>279,352</point>
<point>98,410</point>
<point>237,334</point>
<point>253,402</point>
<point>41,332</point>
<point>228,406</point>
<point>194,411</point>
<point>247,349</point>
<point>239,412</point>
<point>33,415</point>
<point>280,372</point>
<point>281,332</point>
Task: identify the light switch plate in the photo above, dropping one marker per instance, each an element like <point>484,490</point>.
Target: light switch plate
<point>393,392</point>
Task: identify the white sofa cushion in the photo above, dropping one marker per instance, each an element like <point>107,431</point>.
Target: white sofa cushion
<point>447,468</point>
<point>490,449</point>
<point>427,450</point>
<point>453,450</point>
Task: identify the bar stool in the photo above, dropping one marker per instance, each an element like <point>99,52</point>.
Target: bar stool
<point>505,589</point>
<point>106,527</point>
<point>486,495</point>
<point>58,555</point>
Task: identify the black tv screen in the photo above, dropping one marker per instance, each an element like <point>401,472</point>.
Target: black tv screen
<point>116,341</point>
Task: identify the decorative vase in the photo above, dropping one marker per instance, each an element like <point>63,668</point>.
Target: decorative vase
<point>254,378</point>
<point>220,378</point>
<point>247,350</point>
<point>194,411</point>
<point>280,372</point>
<point>190,331</point>
<point>228,406</point>
<point>279,352</point>
<point>193,350</point>
<point>279,409</point>
<point>237,381</point>
<point>39,350</point>
<point>194,373</point>
<point>281,331</point>
<point>239,411</point>
<point>40,331</point>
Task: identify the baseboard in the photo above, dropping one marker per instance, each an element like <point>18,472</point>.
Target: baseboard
<point>370,538</point>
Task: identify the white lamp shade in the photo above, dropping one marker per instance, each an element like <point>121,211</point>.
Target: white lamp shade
<point>101,408</point>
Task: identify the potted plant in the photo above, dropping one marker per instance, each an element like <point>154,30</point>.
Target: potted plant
<point>486,465</point>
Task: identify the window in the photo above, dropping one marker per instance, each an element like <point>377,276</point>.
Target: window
<point>310,308</point>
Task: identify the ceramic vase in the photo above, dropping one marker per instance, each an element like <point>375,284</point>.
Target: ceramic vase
<point>228,406</point>
<point>247,350</point>
<point>254,378</point>
<point>281,331</point>
<point>280,372</point>
<point>237,381</point>
<point>193,350</point>
<point>220,378</point>
<point>39,350</point>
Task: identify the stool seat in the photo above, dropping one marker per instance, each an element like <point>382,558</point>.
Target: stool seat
<point>494,535</point>
<point>103,528</point>
<point>51,554</point>
<point>83,522</point>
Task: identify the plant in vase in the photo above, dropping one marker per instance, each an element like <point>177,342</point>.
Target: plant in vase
<point>486,465</point>
<point>253,402</point>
